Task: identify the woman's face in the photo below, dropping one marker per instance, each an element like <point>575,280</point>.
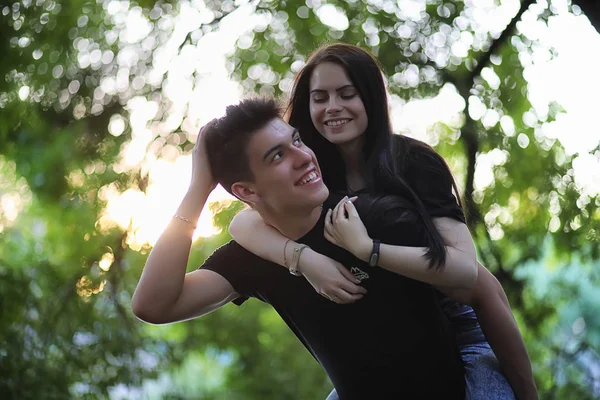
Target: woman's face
<point>336,108</point>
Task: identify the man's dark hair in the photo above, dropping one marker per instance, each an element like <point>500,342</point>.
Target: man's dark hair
<point>227,139</point>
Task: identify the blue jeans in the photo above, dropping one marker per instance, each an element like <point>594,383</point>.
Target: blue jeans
<point>483,378</point>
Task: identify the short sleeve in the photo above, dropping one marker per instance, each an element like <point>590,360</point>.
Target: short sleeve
<point>238,266</point>
<point>428,174</point>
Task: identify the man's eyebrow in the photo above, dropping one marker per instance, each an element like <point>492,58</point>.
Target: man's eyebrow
<point>278,146</point>
<point>337,90</point>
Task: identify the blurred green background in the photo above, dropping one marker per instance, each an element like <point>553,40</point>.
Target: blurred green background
<point>97,96</point>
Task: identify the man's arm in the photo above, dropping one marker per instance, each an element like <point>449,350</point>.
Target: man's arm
<point>500,328</point>
<point>165,293</point>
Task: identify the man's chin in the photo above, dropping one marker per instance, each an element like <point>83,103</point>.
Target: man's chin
<point>325,193</point>
<point>316,200</point>
<point>320,194</point>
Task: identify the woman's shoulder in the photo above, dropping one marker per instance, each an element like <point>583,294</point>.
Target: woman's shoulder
<point>415,156</point>
<point>429,176</point>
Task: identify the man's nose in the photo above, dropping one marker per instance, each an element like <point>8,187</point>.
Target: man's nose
<point>301,157</point>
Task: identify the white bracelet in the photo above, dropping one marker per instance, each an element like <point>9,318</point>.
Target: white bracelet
<point>296,259</point>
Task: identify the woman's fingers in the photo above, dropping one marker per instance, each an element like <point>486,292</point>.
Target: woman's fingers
<point>329,238</point>
<point>352,288</point>
<point>328,226</point>
<point>340,210</point>
<point>348,275</point>
<point>342,297</point>
<point>334,213</point>
<point>350,209</point>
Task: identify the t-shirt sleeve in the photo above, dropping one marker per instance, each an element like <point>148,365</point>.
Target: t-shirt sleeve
<point>428,174</point>
<point>238,266</point>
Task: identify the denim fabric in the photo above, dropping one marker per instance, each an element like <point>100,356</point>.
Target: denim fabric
<point>483,378</point>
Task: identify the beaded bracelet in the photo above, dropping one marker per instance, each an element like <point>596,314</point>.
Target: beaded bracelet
<point>284,256</point>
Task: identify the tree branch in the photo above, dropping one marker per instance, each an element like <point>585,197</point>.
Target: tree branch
<point>510,29</point>
<point>469,131</point>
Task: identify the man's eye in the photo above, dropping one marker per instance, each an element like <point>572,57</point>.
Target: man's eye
<point>297,141</point>
<point>277,156</point>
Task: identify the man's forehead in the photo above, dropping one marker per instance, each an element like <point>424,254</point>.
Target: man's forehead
<point>278,125</point>
<point>273,133</point>
<point>276,129</point>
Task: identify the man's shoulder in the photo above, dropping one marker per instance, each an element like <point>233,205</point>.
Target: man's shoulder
<point>247,273</point>
<point>231,254</point>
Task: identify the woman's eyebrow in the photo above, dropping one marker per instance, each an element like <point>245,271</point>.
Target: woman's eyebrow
<point>337,90</point>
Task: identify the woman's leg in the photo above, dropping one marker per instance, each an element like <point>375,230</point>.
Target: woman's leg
<point>483,377</point>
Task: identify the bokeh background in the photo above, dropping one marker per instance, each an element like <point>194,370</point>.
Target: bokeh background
<point>101,102</point>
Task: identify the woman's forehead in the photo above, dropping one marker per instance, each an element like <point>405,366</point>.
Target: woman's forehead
<point>329,76</point>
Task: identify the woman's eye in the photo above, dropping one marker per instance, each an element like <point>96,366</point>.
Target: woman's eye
<point>348,96</point>
<point>319,100</point>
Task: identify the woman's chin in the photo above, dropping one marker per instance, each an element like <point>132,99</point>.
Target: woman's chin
<point>341,138</point>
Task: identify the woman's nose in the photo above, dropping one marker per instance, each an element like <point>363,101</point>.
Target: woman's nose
<point>333,106</point>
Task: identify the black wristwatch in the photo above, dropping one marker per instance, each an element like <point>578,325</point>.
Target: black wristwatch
<point>374,257</point>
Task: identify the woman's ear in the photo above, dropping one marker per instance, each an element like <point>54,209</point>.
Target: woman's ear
<point>245,192</point>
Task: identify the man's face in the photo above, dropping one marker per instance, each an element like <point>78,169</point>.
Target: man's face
<point>286,173</point>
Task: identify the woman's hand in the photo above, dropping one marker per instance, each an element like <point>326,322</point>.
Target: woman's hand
<point>201,174</point>
<point>344,228</point>
<point>329,278</point>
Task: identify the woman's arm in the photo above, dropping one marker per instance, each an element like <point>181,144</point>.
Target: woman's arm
<point>343,227</point>
<point>490,303</point>
<point>327,276</point>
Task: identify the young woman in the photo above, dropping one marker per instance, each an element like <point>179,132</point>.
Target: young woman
<point>339,104</point>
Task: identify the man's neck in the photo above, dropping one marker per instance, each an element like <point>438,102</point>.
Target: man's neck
<point>293,225</point>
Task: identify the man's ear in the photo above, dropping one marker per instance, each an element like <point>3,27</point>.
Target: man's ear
<point>245,192</point>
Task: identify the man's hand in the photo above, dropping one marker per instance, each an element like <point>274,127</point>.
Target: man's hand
<point>202,177</point>
<point>329,278</point>
<point>344,228</point>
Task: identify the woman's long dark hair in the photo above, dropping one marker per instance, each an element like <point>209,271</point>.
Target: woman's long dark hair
<point>384,152</point>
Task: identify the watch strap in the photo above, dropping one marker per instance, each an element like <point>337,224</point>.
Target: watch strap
<point>374,257</point>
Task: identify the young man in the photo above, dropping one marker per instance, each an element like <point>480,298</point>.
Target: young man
<point>405,351</point>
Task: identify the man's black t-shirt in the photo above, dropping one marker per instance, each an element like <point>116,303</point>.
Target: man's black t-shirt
<point>392,344</point>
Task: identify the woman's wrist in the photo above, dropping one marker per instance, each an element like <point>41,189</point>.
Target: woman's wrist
<point>363,249</point>
<point>292,256</point>
<point>288,252</point>
<point>305,259</point>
